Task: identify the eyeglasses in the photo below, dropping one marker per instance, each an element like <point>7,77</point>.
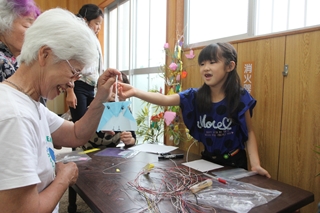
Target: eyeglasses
<point>75,73</point>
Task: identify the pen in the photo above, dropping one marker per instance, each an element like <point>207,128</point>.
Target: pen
<point>172,156</point>
<point>164,153</point>
<point>216,178</point>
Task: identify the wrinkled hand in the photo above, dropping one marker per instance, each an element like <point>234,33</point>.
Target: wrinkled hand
<point>261,171</point>
<point>127,139</point>
<point>105,84</point>
<point>67,172</point>
<point>125,91</point>
<point>71,99</point>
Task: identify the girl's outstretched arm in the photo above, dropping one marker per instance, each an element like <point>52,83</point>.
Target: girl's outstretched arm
<point>252,149</point>
<point>126,91</point>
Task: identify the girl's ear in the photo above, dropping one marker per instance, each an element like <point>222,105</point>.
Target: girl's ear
<point>231,66</point>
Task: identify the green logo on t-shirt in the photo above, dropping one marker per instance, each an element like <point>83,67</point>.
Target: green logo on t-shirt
<point>49,139</point>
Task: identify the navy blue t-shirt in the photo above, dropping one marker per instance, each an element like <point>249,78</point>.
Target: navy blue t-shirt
<point>215,130</point>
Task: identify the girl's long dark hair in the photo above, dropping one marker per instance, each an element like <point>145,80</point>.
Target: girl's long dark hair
<point>90,12</point>
<point>232,87</point>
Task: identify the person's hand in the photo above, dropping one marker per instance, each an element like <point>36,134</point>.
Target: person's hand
<point>67,172</point>
<point>125,91</point>
<point>105,84</point>
<point>127,139</point>
<point>261,171</point>
<point>71,99</point>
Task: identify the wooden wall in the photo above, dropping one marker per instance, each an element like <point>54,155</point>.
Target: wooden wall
<point>286,116</point>
<point>288,108</point>
<point>72,5</point>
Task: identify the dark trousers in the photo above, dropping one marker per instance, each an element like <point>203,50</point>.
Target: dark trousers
<point>85,94</point>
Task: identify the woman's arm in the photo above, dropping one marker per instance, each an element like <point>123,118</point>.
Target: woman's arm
<point>76,134</point>
<point>27,198</point>
<point>252,149</point>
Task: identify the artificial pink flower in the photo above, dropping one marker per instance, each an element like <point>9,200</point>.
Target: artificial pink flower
<point>166,46</point>
<point>190,55</point>
<point>173,66</point>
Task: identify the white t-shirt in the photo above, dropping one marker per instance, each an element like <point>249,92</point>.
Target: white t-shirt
<point>26,148</point>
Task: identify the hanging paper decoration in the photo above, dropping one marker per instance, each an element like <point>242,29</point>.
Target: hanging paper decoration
<point>173,66</point>
<point>184,74</point>
<point>178,88</point>
<point>117,117</point>
<point>190,55</point>
<point>170,92</point>
<point>169,117</point>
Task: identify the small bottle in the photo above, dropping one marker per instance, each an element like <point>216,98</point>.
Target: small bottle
<point>201,185</point>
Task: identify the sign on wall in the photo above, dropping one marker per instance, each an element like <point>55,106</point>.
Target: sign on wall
<point>248,70</point>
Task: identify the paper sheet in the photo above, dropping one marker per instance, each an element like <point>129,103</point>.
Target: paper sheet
<point>117,152</point>
<point>202,165</point>
<point>154,148</point>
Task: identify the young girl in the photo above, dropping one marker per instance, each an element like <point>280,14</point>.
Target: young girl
<point>79,98</point>
<point>218,114</point>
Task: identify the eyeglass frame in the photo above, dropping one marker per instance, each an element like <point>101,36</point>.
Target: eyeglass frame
<point>75,73</point>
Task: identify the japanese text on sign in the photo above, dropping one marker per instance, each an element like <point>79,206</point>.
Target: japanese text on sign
<point>248,76</point>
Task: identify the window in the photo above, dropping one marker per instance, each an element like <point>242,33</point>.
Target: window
<point>275,16</point>
<point>237,19</point>
<point>215,19</point>
<point>135,32</point>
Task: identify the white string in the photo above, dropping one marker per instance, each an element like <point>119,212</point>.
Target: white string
<point>116,98</point>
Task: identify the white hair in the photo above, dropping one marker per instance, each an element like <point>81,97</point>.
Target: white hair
<point>7,16</point>
<point>12,9</point>
<point>66,35</point>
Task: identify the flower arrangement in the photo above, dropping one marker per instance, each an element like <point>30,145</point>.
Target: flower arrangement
<point>166,119</point>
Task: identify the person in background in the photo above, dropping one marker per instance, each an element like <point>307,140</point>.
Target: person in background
<point>16,16</point>
<point>218,114</point>
<point>82,94</point>
<point>30,179</point>
<point>79,98</point>
<point>112,139</point>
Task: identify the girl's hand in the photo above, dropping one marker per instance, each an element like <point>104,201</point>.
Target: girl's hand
<point>125,91</point>
<point>261,171</point>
